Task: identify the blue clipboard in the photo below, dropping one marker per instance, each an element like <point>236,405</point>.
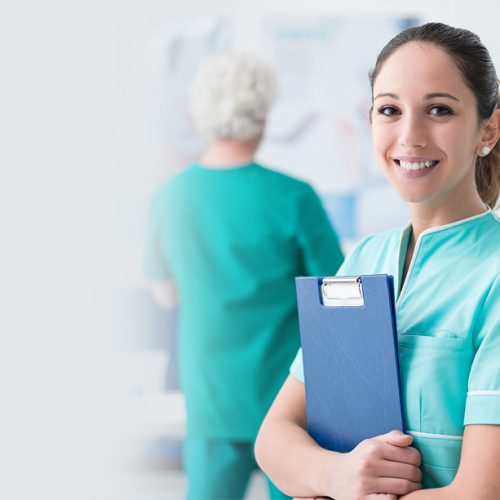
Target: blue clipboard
<point>351,368</point>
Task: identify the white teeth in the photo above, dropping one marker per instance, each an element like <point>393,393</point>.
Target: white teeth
<point>417,165</point>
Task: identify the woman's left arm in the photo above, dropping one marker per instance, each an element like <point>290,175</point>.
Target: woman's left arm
<point>477,477</point>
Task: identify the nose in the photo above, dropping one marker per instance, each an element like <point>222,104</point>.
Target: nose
<point>413,133</point>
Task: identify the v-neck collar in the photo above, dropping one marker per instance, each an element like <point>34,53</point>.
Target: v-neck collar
<point>406,233</point>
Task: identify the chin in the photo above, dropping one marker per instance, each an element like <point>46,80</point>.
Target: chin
<point>414,198</point>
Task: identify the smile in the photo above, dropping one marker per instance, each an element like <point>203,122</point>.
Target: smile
<point>416,165</point>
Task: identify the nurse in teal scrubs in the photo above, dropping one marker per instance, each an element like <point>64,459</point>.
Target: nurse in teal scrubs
<point>435,125</point>
<point>227,236</point>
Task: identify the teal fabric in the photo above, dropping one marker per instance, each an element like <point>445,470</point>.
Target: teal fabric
<point>221,469</point>
<point>448,332</point>
<point>233,240</point>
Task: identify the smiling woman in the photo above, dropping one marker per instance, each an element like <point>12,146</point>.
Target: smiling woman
<point>430,117</point>
<point>435,125</point>
<point>447,77</point>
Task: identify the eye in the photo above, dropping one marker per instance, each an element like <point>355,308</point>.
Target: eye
<point>388,111</point>
<point>440,110</point>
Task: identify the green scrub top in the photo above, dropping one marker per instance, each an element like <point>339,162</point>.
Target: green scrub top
<point>232,240</point>
<point>448,322</point>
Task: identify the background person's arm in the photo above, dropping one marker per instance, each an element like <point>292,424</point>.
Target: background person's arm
<point>478,476</point>
<point>301,468</point>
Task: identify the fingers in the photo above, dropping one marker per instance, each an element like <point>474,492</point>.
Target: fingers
<point>396,438</point>
<point>408,455</point>
<point>399,470</point>
<point>381,448</point>
<point>378,448</point>
<point>377,465</point>
<point>396,486</point>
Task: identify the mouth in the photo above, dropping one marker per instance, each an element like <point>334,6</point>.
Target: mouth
<point>415,164</point>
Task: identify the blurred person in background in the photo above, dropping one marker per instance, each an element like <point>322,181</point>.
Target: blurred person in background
<point>226,238</point>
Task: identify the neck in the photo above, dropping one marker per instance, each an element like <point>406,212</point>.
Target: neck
<point>226,153</point>
<point>441,212</point>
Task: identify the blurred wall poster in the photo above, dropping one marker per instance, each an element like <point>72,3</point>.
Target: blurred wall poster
<point>319,130</point>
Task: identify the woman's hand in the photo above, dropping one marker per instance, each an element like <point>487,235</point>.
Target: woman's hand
<point>380,468</point>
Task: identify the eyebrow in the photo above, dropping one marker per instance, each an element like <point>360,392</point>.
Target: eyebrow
<point>441,94</point>
<point>426,96</point>
<point>387,94</point>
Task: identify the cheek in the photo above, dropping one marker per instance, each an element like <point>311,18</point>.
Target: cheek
<point>459,141</point>
<point>459,151</point>
<point>381,142</point>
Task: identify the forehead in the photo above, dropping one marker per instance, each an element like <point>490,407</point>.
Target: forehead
<point>420,67</point>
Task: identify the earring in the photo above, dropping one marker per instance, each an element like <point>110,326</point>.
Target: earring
<point>485,150</point>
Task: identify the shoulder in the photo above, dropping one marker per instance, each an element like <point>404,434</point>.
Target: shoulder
<point>373,253</point>
<point>492,225</point>
<point>377,243</point>
<point>174,185</point>
<point>493,241</point>
<point>275,177</point>
<point>485,227</point>
<point>481,244</point>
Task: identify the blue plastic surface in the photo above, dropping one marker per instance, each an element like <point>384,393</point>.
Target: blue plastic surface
<point>351,367</point>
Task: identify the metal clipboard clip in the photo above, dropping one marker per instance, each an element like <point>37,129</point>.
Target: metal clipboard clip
<point>342,292</point>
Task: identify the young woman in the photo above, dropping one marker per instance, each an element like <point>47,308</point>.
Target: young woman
<point>436,124</point>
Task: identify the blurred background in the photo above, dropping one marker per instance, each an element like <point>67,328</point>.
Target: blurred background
<point>94,117</point>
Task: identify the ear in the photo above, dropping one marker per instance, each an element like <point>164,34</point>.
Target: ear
<point>491,132</point>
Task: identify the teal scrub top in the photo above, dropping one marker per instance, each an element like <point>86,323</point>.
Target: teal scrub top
<point>232,240</point>
<point>448,322</point>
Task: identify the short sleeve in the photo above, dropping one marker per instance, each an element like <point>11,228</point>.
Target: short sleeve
<point>322,254</point>
<point>297,367</point>
<point>483,393</point>
<point>155,266</point>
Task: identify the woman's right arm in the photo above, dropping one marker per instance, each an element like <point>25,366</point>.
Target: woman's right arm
<point>300,467</point>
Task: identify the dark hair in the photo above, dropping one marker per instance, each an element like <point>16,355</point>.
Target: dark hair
<point>474,62</point>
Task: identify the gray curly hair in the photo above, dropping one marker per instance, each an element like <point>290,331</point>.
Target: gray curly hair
<point>231,96</point>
